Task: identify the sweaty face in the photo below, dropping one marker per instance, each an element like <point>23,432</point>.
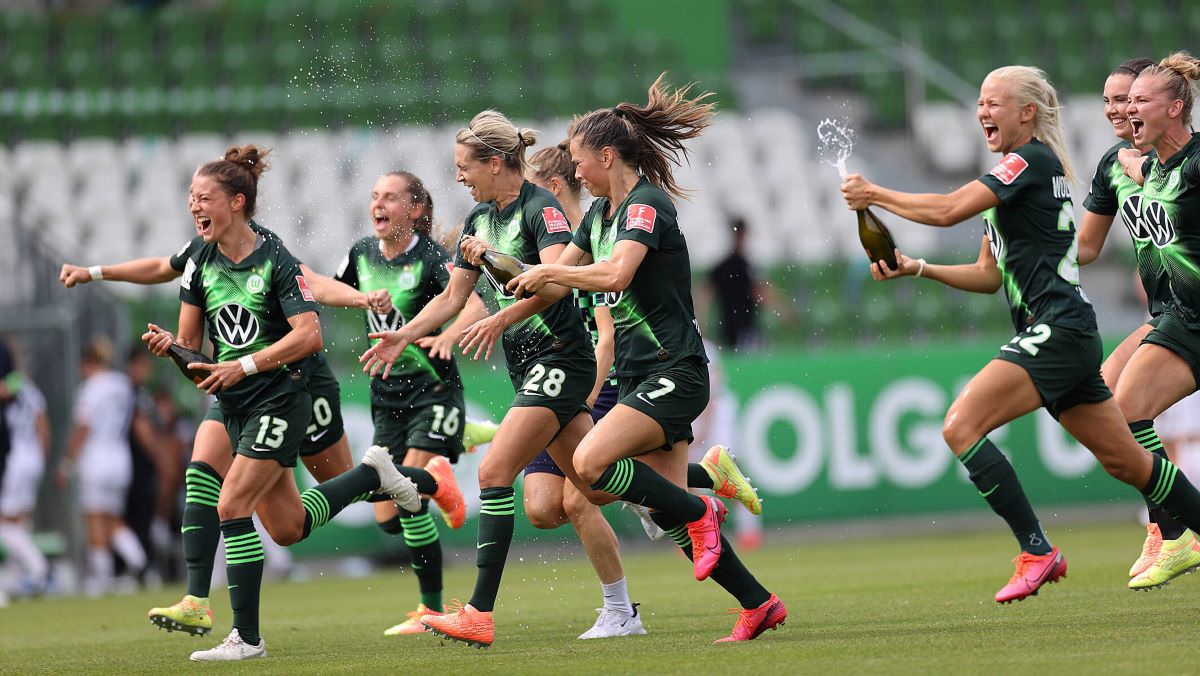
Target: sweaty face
<point>476,175</point>
<point>1149,109</point>
<point>1000,116</point>
<point>589,168</point>
<point>211,207</point>
<point>1116,103</point>
<point>391,207</point>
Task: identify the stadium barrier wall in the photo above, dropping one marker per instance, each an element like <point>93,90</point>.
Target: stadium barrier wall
<point>845,434</point>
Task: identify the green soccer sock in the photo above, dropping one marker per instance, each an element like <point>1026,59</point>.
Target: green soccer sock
<point>244,563</point>
<point>635,482</point>
<point>497,506</point>
<point>201,531</point>
<point>1171,489</point>
<point>997,482</point>
<point>426,484</point>
<point>421,537</point>
<point>730,573</point>
<point>697,477</point>
<point>323,501</point>
<point>1143,432</point>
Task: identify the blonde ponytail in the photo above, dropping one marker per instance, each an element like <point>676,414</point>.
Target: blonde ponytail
<point>1030,85</point>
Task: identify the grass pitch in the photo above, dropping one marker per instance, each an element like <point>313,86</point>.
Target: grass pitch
<point>904,604</point>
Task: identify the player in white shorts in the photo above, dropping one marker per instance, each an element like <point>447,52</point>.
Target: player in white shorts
<point>99,456</point>
<point>30,435</point>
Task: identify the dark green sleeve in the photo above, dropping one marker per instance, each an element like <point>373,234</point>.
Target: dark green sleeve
<point>645,221</point>
<point>290,287</point>
<point>1102,199</point>
<point>546,226</point>
<point>347,272</point>
<point>1013,174</point>
<point>468,229</point>
<point>190,291</point>
<point>179,260</point>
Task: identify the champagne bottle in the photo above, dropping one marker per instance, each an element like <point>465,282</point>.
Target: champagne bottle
<point>183,356</point>
<point>502,268</point>
<point>876,238</point>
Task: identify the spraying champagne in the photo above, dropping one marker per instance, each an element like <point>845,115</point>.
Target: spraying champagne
<point>836,140</point>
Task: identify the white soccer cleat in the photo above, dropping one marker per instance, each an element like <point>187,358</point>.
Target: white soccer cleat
<point>391,481</point>
<point>233,648</point>
<point>653,531</point>
<point>613,623</point>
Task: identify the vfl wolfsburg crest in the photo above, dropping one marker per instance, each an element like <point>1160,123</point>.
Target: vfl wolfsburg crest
<point>236,326</point>
<point>384,322</point>
<point>255,284</point>
<point>407,279</point>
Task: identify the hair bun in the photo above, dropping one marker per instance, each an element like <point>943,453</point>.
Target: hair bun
<point>250,157</point>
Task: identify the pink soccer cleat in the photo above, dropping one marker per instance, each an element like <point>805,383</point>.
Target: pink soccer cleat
<point>1032,572</point>
<point>705,533</point>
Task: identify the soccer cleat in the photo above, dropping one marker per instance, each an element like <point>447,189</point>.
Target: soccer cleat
<point>462,623</point>
<point>728,480</point>
<point>1032,572</point>
<point>478,433</point>
<point>391,481</point>
<point>233,648</point>
<point>1150,549</point>
<point>448,497</point>
<point>413,624</point>
<point>706,537</point>
<point>752,622</point>
<point>653,531</point>
<point>191,615</point>
<point>1178,556</point>
<point>612,623</point>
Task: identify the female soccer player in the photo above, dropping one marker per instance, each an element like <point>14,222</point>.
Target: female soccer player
<point>549,358</point>
<point>263,323</point>
<point>1054,360</point>
<point>629,246</point>
<point>30,431</point>
<point>1166,365</point>
<point>325,449</point>
<point>1112,192</point>
<point>551,500</point>
<point>419,411</point>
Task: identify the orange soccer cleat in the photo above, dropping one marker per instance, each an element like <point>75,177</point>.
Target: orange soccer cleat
<point>464,624</point>
<point>449,497</point>
<point>755,621</point>
<point>1150,549</point>
<point>705,533</point>
<point>1032,572</point>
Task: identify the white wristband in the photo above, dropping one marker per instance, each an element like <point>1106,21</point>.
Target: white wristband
<point>96,273</point>
<point>248,366</point>
<point>921,268</point>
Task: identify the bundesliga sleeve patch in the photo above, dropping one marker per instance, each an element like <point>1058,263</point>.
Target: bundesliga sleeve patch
<point>555,221</point>
<point>1009,168</point>
<point>305,292</point>
<point>640,216</point>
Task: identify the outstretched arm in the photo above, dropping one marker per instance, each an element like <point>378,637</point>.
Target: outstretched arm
<point>139,271</point>
<point>928,208</point>
<point>332,293</point>
<point>982,276</point>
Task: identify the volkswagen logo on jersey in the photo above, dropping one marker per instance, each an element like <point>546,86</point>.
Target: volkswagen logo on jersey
<point>995,243</point>
<point>1157,224</point>
<point>384,322</point>
<point>613,298</point>
<point>501,292</point>
<point>1131,213</point>
<point>236,326</point>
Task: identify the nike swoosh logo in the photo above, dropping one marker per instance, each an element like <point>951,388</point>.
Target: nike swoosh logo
<point>528,393</point>
<point>1010,349</point>
<point>232,586</point>
<point>187,528</point>
<point>256,449</point>
<point>642,396</point>
<point>317,436</point>
<point>993,490</point>
<point>436,436</point>
<point>484,545</point>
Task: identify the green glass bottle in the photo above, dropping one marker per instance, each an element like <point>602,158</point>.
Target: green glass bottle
<point>183,356</point>
<point>876,238</point>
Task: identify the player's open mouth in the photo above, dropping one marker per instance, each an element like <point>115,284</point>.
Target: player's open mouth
<point>991,131</point>
<point>381,219</point>
<point>1137,126</point>
<point>204,223</point>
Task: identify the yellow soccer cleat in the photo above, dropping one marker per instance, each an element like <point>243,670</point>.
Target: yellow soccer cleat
<point>1176,557</point>
<point>1150,549</point>
<point>477,433</point>
<point>728,480</point>
<point>191,615</point>
<point>413,624</point>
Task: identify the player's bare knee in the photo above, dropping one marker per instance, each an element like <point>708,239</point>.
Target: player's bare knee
<point>544,516</point>
<point>958,434</point>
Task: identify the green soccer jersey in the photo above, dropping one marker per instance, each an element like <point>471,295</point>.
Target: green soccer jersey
<point>1169,216</point>
<point>654,320</point>
<point>247,306</point>
<point>1113,192</point>
<point>412,278</point>
<point>1032,236</point>
<point>529,224</point>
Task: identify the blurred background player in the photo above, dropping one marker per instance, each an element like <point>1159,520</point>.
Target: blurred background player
<point>25,567</point>
<point>98,455</point>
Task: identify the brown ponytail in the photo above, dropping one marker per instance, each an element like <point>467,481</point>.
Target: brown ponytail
<point>238,172</point>
<point>650,137</point>
<point>555,162</point>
